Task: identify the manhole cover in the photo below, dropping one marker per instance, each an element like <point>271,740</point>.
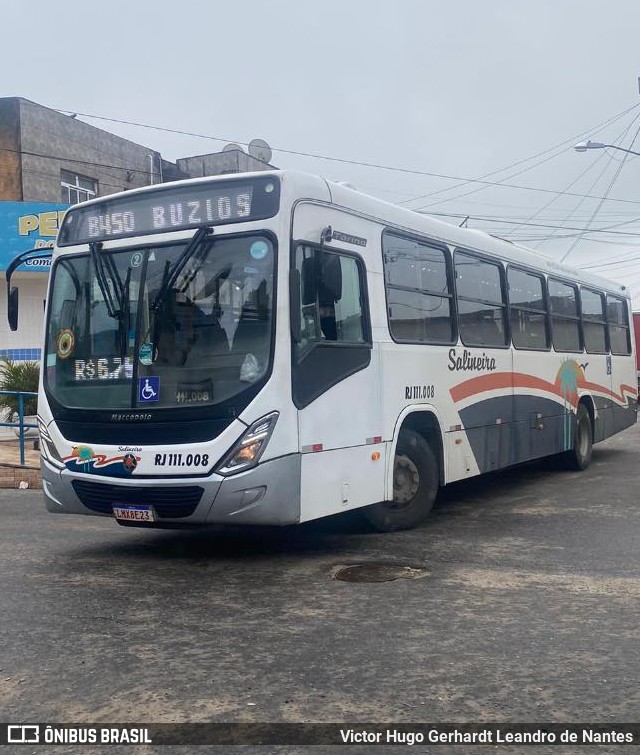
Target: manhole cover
<point>377,572</point>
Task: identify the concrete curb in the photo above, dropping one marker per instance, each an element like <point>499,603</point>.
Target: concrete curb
<point>11,476</point>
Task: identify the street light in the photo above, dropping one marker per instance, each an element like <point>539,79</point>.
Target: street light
<point>584,146</point>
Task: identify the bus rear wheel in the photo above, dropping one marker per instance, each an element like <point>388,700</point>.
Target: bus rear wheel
<point>415,486</point>
<point>579,457</point>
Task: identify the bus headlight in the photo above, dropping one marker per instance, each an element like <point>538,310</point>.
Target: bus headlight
<point>247,451</point>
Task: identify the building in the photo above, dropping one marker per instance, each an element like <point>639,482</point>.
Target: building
<point>49,161</point>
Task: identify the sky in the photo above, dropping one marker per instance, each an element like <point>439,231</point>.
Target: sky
<point>432,92</point>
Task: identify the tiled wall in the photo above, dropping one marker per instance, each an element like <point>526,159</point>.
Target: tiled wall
<point>22,355</point>
<point>26,342</point>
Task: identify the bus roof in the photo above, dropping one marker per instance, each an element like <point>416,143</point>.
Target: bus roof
<point>298,185</point>
<point>468,238</point>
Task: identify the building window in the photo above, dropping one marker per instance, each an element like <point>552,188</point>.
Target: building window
<point>75,188</point>
<point>418,291</point>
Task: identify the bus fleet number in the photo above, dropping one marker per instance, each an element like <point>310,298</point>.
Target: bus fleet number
<point>180,460</point>
<point>412,392</point>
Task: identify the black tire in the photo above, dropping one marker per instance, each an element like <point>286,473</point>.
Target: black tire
<point>416,481</point>
<point>579,457</point>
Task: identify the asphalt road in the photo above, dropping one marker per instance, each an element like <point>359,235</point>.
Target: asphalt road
<point>528,611</point>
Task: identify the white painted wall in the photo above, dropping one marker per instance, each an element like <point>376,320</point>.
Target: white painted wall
<point>33,288</point>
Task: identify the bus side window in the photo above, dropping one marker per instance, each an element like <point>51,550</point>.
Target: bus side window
<point>594,321</point>
<point>419,290</point>
<point>481,301</point>
<point>618,320</point>
<point>528,310</point>
<point>565,316</point>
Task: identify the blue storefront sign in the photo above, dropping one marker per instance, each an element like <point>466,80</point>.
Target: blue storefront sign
<point>28,225</point>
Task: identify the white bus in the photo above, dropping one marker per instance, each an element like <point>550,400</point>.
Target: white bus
<point>271,348</point>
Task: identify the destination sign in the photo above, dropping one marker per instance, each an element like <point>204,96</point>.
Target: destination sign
<point>171,208</point>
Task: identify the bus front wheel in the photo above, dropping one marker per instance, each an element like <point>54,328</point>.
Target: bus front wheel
<point>415,486</point>
<point>580,455</point>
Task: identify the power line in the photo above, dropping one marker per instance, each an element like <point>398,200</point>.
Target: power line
<point>66,158</point>
<point>503,206</point>
<point>620,137</point>
<point>571,141</point>
<point>98,148</point>
<point>541,238</point>
<point>101,181</point>
<point>575,181</point>
<point>361,163</point>
<point>354,162</point>
<point>613,262</point>
<point>595,212</point>
<point>489,219</point>
<point>528,240</point>
<point>478,218</point>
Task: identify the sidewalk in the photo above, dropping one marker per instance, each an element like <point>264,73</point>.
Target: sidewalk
<point>11,473</point>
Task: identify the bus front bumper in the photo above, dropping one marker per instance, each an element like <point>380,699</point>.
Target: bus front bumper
<point>268,494</point>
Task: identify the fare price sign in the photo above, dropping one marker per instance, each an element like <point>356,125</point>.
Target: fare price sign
<point>171,208</point>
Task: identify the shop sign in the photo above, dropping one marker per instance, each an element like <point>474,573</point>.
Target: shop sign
<point>28,225</point>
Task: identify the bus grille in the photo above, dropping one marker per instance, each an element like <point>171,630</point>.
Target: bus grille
<point>168,502</point>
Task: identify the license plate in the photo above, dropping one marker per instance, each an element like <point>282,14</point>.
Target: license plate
<point>134,513</point>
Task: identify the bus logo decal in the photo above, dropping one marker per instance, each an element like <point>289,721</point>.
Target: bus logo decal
<point>130,462</point>
<point>85,459</point>
<point>569,384</point>
<point>468,361</point>
<point>348,238</point>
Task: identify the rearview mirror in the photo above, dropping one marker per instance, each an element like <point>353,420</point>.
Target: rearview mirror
<point>12,291</point>
<point>12,307</point>
<point>309,280</point>
<point>295,305</point>
<point>330,284</point>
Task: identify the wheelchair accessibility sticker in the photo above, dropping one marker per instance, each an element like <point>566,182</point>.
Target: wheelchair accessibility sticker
<point>148,389</point>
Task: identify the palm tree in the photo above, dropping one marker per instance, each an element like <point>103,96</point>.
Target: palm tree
<point>18,376</point>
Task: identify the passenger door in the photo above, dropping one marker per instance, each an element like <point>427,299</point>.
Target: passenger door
<point>332,386</point>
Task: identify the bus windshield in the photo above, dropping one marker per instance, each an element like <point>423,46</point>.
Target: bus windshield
<point>152,327</point>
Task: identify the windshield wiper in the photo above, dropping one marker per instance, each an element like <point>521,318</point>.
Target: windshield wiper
<point>116,302</point>
<point>171,274</point>
<point>124,318</point>
<point>118,287</point>
<point>95,248</point>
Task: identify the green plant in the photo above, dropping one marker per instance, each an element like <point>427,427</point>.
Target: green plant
<point>18,376</point>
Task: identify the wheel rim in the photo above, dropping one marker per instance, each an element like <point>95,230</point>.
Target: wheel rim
<point>406,481</point>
